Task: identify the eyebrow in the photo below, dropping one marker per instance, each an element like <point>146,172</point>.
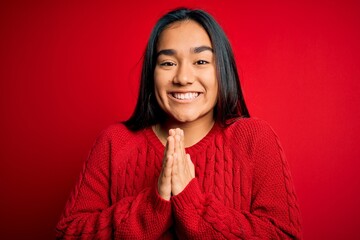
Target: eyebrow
<point>202,49</point>
<point>166,52</point>
<point>171,52</point>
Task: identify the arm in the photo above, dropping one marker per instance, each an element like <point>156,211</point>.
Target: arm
<point>91,211</point>
<point>273,213</point>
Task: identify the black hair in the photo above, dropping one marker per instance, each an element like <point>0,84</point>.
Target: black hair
<point>230,103</point>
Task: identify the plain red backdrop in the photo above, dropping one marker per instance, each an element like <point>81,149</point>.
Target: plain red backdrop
<point>69,69</point>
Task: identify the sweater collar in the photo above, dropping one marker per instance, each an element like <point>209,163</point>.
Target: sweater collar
<point>199,146</point>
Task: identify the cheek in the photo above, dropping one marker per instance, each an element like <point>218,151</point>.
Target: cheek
<point>215,93</point>
<point>212,84</point>
<point>157,92</point>
<point>160,79</point>
<point>159,89</point>
<point>157,82</point>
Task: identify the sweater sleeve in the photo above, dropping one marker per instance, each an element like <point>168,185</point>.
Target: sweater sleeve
<point>273,214</point>
<point>91,212</point>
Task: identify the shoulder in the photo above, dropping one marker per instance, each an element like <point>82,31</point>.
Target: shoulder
<point>250,134</point>
<point>249,127</point>
<point>118,135</point>
<point>116,130</point>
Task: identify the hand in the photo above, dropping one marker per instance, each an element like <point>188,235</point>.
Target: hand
<point>164,181</point>
<point>178,169</point>
<point>183,170</point>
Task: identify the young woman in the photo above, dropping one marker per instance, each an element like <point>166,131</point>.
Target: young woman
<point>190,163</point>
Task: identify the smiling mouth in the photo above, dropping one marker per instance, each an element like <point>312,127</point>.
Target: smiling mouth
<point>185,96</point>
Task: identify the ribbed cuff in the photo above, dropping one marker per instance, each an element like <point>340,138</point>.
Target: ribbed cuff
<point>160,205</point>
<point>190,197</point>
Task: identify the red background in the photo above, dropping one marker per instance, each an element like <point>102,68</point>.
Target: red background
<point>68,70</point>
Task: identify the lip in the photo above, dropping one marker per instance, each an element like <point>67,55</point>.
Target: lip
<point>184,96</point>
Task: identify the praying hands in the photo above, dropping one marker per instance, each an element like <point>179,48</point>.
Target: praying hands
<point>177,169</point>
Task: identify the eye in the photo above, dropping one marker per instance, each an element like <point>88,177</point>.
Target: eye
<point>201,62</point>
<point>167,64</point>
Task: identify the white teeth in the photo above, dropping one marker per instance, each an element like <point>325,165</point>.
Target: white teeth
<point>185,96</point>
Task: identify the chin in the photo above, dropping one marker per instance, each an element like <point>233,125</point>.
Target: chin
<point>186,119</point>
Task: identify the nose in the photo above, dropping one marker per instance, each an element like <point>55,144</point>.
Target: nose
<point>184,74</point>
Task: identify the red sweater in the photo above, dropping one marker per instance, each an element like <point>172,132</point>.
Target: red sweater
<point>242,189</point>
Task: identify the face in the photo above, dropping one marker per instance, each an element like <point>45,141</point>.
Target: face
<point>185,74</point>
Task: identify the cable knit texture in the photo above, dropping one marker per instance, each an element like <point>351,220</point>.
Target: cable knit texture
<point>242,189</point>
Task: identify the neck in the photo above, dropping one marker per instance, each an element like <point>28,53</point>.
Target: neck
<point>193,131</point>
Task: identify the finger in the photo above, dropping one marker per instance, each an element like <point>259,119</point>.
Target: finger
<point>177,131</point>
<point>166,149</point>
<point>166,153</point>
<point>165,175</point>
<point>179,156</point>
<point>178,140</point>
<point>171,132</point>
<point>175,166</point>
<point>181,147</point>
<point>170,146</point>
<point>168,168</point>
<point>164,181</point>
<point>182,144</point>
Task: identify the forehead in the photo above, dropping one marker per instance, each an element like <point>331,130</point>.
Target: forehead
<point>183,34</point>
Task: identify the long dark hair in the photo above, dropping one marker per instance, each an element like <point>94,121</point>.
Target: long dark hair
<point>230,103</point>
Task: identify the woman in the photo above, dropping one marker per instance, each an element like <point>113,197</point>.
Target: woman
<point>190,163</point>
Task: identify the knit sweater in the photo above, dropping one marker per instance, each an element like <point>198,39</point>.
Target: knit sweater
<point>242,188</point>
